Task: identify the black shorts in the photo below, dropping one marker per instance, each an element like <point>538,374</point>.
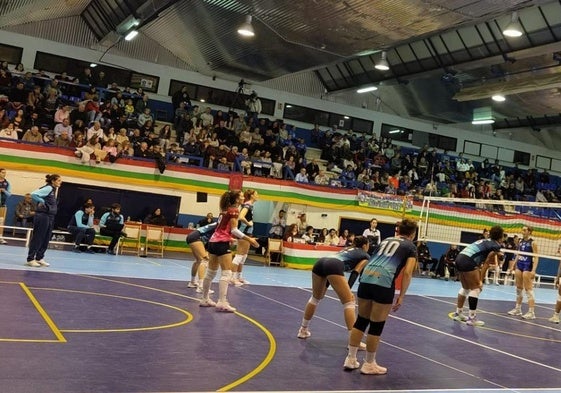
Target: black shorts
<point>327,266</point>
<point>376,293</point>
<point>194,236</point>
<point>465,264</point>
<point>218,248</point>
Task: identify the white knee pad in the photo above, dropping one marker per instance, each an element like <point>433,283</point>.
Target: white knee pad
<point>559,298</point>
<point>211,274</point>
<point>530,294</point>
<point>475,292</point>
<point>463,292</point>
<point>237,259</point>
<point>349,305</point>
<point>313,301</point>
<point>519,292</point>
<point>204,262</point>
<point>226,275</point>
<point>243,259</point>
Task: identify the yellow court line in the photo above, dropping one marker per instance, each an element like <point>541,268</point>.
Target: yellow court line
<point>43,313</point>
<point>189,316</point>
<point>264,363</point>
<point>257,370</point>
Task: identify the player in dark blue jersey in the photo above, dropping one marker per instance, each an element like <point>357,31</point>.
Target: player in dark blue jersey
<point>330,270</point>
<point>472,264</point>
<point>197,241</point>
<point>376,294</point>
<point>525,274</point>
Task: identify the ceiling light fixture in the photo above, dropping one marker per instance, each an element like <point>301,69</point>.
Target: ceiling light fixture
<point>130,35</point>
<point>498,98</point>
<point>92,65</point>
<point>514,28</point>
<point>246,29</point>
<point>382,65</point>
<point>366,89</point>
<point>483,116</point>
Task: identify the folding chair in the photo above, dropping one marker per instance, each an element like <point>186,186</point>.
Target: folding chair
<point>154,241</point>
<point>274,249</point>
<point>131,242</point>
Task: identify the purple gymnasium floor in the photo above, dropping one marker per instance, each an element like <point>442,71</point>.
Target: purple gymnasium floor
<point>71,333</point>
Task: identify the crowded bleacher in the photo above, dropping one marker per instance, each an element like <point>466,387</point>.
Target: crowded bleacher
<point>102,122</point>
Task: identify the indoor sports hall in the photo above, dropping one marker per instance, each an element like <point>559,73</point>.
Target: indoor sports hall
<point>101,323</point>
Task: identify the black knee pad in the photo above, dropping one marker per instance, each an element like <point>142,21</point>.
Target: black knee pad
<point>361,323</point>
<point>376,328</point>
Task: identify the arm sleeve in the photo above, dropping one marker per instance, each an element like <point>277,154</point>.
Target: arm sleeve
<point>8,190</point>
<point>78,216</point>
<point>41,193</point>
<point>103,219</point>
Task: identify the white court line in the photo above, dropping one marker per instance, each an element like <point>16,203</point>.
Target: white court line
<point>503,388</point>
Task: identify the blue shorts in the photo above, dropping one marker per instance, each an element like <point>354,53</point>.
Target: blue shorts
<point>524,266</point>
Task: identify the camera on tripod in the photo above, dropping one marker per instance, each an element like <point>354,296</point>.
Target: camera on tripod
<point>241,84</point>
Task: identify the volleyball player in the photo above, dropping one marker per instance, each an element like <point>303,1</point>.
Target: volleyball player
<point>525,274</point>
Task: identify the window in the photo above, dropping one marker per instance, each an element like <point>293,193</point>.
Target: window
<point>229,99</point>
<point>396,133</point>
<point>11,54</point>
<point>521,157</point>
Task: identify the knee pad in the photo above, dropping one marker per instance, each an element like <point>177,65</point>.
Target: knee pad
<point>211,274</point>
<point>204,261</point>
<point>349,305</point>
<point>226,275</point>
<point>243,259</point>
<point>376,328</point>
<point>237,259</point>
<point>530,294</point>
<point>519,292</point>
<point>361,323</point>
<point>475,293</point>
<point>559,298</point>
<point>313,301</point>
<point>463,292</point>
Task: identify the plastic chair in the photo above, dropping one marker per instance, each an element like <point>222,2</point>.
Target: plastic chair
<point>274,248</point>
<point>154,241</point>
<point>131,242</point>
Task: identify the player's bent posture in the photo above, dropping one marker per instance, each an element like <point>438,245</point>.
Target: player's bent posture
<point>376,294</point>
<point>472,264</point>
<point>330,270</point>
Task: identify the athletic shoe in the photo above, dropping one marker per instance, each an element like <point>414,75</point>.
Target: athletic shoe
<point>303,332</point>
<point>224,307</point>
<point>200,290</point>
<point>515,312</point>
<point>191,284</point>
<point>351,364</point>
<point>76,249</point>
<point>207,303</point>
<point>33,263</point>
<point>3,241</point>
<point>372,369</point>
<point>554,318</point>
<point>529,315</point>
<point>44,263</point>
<point>243,281</point>
<point>111,252</point>
<point>460,317</point>
<point>474,322</point>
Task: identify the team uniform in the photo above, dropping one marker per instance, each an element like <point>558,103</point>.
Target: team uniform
<point>377,281</point>
<point>219,243</point>
<point>525,263</point>
<point>473,256</point>
<point>247,230</point>
<point>43,223</point>
<point>343,261</point>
